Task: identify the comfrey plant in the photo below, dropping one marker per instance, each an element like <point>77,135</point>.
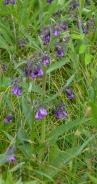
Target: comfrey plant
<point>6,2</point>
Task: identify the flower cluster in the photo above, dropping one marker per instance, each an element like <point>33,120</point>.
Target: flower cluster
<point>74,4</point>
<point>8,118</point>
<point>40,113</point>
<point>11,159</point>
<point>6,2</point>
<point>49,1</point>
<point>16,89</point>
<point>59,111</point>
<point>37,72</point>
<point>59,50</point>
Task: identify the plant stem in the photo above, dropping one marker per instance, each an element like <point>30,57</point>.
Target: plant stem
<point>32,119</point>
<point>43,120</point>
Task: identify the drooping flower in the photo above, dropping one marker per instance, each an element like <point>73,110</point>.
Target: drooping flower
<point>74,4</point>
<point>40,114</point>
<point>69,93</point>
<point>37,72</point>
<point>59,111</point>
<point>8,118</point>
<point>49,1</point>
<point>60,51</point>
<point>11,159</point>
<point>12,1</point>
<point>45,59</point>
<point>64,27</point>
<point>17,90</point>
<point>6,2</point>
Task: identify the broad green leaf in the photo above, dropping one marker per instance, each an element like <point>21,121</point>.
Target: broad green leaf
<point>18,166</point>
<point>77,37</point>
<point>9,103</point>
<point>64,157</point>
<point>88,58</point>
<point>35,88</point>
<point>31,182</point>
<point>92,178</point>
<point>44,174</point>
<point>8,136</point>
<point>63,128</point>
<point>3,158</point>
<point>82,49</point>
<point>27,111</point>
<point>57,65</point>
<point>31,40</point>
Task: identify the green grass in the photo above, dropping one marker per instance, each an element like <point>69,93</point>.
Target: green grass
<point>49,150</point>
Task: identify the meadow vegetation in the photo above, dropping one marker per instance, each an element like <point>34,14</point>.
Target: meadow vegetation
<point>48,92</point>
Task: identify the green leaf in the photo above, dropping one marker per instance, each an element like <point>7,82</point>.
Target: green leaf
<point>27,111</point>
<point>64,157</point>
<point>57,65</point>
<point>8,136</point>
<point>3,158</point>
<point>44,174</point>
<point>31,40</point>
<point>18,166</point>
<point>77,37</point>
<point>9,103</point>
<point>88,58</point>
<point>92,178</point>
<point>82,49</point>
<point>63,128</point>
<point>35,88</point>
<point>32,182</point>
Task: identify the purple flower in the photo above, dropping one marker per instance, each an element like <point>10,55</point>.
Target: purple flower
<point>37,72</point>
<point>69,93</point>
<point>74,4</point>
<point>45,35</point>
<point>65,27</point>
<point>59,111</point>
<point>17,90</point>
<point>8,118</point>
<point>45,59</point>
<point>6,2</point>
<point>11,159</point>
<point>49,1</point>
<point>40,114</point>
<point>12,1</point>
<point>85,30</point>
<point>56,14</point>
<point>59,51</point>
<point>56,31</point>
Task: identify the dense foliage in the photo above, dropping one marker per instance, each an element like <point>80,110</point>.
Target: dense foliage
<point>48,91</point>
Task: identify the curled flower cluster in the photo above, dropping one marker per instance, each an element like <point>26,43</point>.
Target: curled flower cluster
<point>40,114</point>
<point>11,159</point>
<point>17,90</point>
<point>59,111</point>
<point>49,1</point>
<point>8,118</point>
<point>6,2</point>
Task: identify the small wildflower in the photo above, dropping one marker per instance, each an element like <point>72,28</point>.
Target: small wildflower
<point>59,51</point>
<point>40,114</point>
<point>49,1</point>
<point>8,118</point>
<point>45,59</point>
<point>37,72</point>
<point>69,93</point>
<point>59,111</point>
<point>6,2</point>
<point>17,90</point>
<point>11,159</point>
